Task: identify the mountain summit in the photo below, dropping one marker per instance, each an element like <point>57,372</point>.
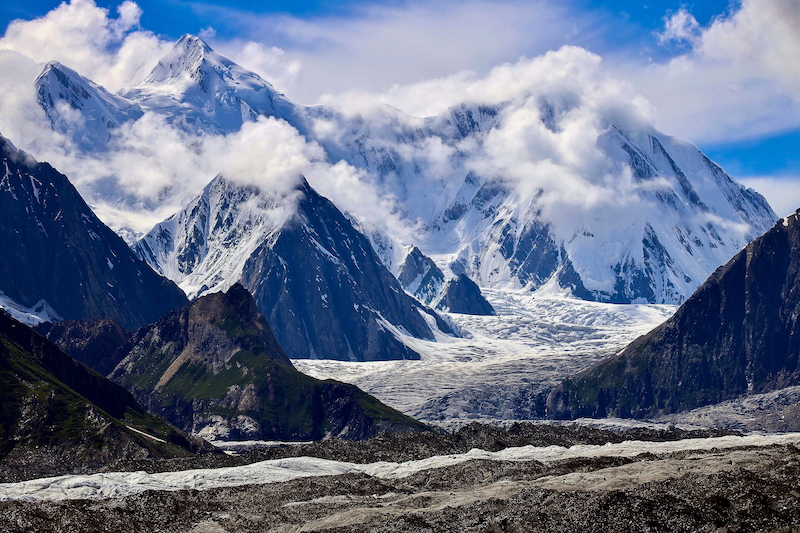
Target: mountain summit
<point>214,368</point>
<point>101,111</point>
<point>206,90</point>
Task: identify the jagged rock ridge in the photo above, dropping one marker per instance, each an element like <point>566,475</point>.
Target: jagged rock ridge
<point>419,275</point>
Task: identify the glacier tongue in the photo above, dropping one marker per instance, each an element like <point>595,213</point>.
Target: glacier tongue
<point>495,371</point>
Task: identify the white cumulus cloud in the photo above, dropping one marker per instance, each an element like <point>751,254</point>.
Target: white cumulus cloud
<point>113,51</point>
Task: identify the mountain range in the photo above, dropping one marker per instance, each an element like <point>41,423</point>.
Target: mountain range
<point>695,216</point>
<point>215,369</point>
<point>213,365</point>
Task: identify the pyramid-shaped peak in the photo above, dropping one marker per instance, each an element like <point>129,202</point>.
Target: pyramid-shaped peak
<point>52,65</point>
<point>189,42</point>
<point>206,91</point>
<point>185,58</point>
<point>60,71</point>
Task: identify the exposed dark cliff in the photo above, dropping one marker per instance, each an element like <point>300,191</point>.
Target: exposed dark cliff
<point>462,295</point>
<point>99,344</point>
<point>327,294</point>
<point>57,416</point>
<point>316,278</point>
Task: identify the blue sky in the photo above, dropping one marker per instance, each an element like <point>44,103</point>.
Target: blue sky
<point>174,17</point>
<point>752,129</point>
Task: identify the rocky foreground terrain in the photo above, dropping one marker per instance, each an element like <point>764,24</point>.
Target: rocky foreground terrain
<point>753,488</point>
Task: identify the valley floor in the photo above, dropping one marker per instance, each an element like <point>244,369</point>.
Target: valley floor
<point>503,362</point>
<point>728,483</point>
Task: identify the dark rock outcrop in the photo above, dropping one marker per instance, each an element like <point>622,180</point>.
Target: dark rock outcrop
<point>99,344</point>
<point>420,276</point>
<point>57,416</point>
<point>215,368</point>
<point>54,248</point>
<point>738,334</point>
<point>462,295</point>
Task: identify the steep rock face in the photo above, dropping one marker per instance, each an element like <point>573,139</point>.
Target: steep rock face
<point>99,344</point>
<point>317,280</point>
<point>462,295</point>
<point>322,284</point>
<point>214,368</point>
<point>58,416</point>
<point>54,248</point>
<point>738,334</point>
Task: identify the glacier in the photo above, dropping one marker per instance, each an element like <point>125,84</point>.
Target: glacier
<point>497,367</point>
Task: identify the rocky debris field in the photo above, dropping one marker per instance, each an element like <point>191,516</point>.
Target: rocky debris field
<point>736,490</point>
<point>400,447</point>
<point>755,488</point>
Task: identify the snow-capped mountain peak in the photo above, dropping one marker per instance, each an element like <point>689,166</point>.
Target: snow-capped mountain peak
<point>195,85</point>
<point>203,247</point>
<point>185,59</point>
<point>80,108</point>
<point>318,281</point>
